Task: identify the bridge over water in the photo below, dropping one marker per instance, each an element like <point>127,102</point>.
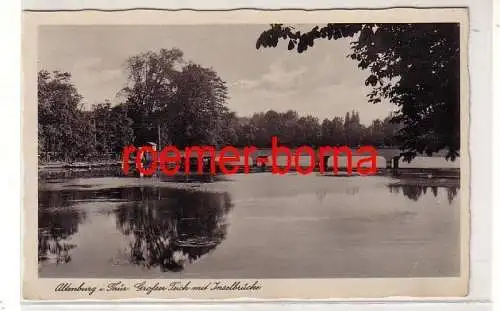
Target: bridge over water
<point>391,155</point>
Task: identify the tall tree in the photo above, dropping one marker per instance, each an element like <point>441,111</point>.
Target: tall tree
<point>150,88</point>
<point>196,114</point>
<point>414,66</point>
<point>185,102</point>
<point>63,129</point>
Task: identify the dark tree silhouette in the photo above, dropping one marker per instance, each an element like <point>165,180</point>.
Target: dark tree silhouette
<point>414,192</point>
<point>63,129</point>
<point>57,222</point>
<point>414,66</point>
<point>54,230</point>
<point>197,112</point>
<point>113,128</point>
<point>170,228</point>
<point>185,100</point>
<point>150,87</point>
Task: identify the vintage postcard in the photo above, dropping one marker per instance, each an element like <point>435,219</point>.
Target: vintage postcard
<point>245,154</point>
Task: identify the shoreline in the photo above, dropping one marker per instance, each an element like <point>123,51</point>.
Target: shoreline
<point>50,173</point>
<point>221,182</point>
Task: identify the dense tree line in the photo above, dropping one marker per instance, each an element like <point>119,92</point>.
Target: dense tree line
<point>67,132</point>
<point>173,102</point>
<point>165,97</point>
<point>293,130</point>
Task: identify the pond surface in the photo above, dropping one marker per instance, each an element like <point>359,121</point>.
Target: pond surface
<point>250,226</point>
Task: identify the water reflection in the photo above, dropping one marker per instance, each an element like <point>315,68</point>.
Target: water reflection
<point>170,228</point>
<point>123,228</point>
<point>414,192</point>
<point>57,223</point>
<point>167,227</point>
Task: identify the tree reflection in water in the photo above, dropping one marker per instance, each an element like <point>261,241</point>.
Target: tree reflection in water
<point>414,192</point>
<point>172,227</point>
<point>57,221</point>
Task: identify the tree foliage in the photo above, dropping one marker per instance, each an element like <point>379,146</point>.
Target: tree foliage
<point>63,129</point>
<point>197,112</point>
<point>293,130</point>
<point>113,128</point>
<point>149,89</point>
<point>170,234</point>
<point>187,101</point>
<point>67,132</point>
<point>414,66</point>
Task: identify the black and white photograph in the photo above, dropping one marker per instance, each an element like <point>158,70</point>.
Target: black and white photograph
<point>183,158</point>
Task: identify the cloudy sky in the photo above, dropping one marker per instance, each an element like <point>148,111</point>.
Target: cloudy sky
<point>322,81</point>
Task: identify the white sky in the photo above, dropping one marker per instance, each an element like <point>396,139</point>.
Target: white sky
<point>321,82</point>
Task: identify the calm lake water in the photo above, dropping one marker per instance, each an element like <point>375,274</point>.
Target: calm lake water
<point>249,226</point>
